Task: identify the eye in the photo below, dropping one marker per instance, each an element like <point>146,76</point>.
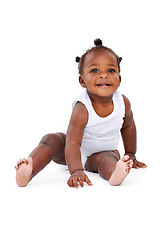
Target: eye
<point>94,70</point>
<point>111,70</point>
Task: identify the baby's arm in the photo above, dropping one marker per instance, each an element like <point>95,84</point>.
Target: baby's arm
<point>74,137</point>
<point>129,137</point>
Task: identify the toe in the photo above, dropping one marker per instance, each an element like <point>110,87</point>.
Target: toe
<point>19,162</point>
<point>24,160</point>
<point>130,163</point>
<point>125,158</point>
<point>29,160</point>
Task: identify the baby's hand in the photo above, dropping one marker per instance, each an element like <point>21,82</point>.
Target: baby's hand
<point>137,164</point>
<point>78,177</point>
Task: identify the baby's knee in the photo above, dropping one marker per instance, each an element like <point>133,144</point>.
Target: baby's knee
<point>52,139</point>
<point>93,162</point>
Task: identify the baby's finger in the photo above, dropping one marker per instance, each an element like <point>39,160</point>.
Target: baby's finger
<point>144,165</point>
<point>75,183</point>
<point>70,182</point>
<point>141,165</point>
<point>88,181</point>
<point>81,182</point>
<point>135,165</point>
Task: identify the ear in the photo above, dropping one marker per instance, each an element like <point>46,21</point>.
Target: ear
<point>119,79</point>
<point>82,82</point>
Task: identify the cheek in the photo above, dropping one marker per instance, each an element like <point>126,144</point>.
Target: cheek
<point>117,78</point>
<point>118,81</point>
<point>88,78</point>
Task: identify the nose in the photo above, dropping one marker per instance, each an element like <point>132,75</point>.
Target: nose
<point>103,75</point>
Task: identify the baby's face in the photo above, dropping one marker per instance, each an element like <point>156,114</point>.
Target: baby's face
<point>100,73</point>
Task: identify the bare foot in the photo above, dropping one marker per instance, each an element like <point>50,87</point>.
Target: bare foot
<point>24,171</point>
<point>122,169</point>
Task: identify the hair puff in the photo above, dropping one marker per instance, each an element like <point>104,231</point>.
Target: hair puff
<point>77,59</point>
<point>98,42</point>
<point>120,59</point>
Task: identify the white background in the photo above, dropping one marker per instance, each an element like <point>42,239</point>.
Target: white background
<point>39,41</point>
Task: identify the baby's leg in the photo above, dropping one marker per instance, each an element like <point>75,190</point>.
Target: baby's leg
<point>51,147</point>
<point>109,166</point>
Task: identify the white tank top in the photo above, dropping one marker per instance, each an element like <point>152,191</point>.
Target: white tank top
<point>101,133</point>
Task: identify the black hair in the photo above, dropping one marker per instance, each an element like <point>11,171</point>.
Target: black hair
<point>98,44</point>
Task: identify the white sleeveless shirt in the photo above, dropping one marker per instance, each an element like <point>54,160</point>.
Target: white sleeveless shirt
<point>101,133</point>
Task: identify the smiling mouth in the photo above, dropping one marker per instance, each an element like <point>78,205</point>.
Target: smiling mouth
<point>104,85</point>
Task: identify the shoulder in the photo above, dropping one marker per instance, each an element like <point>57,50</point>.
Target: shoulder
<point>83,98</point>
<point>77,124</point>
<point>128,119</point>
<point>79,115</point>
<point>127,104</point>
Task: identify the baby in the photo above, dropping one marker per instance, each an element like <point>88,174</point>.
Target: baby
<point>99,115</point>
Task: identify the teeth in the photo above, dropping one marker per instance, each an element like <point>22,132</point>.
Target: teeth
<point>105,84</point>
